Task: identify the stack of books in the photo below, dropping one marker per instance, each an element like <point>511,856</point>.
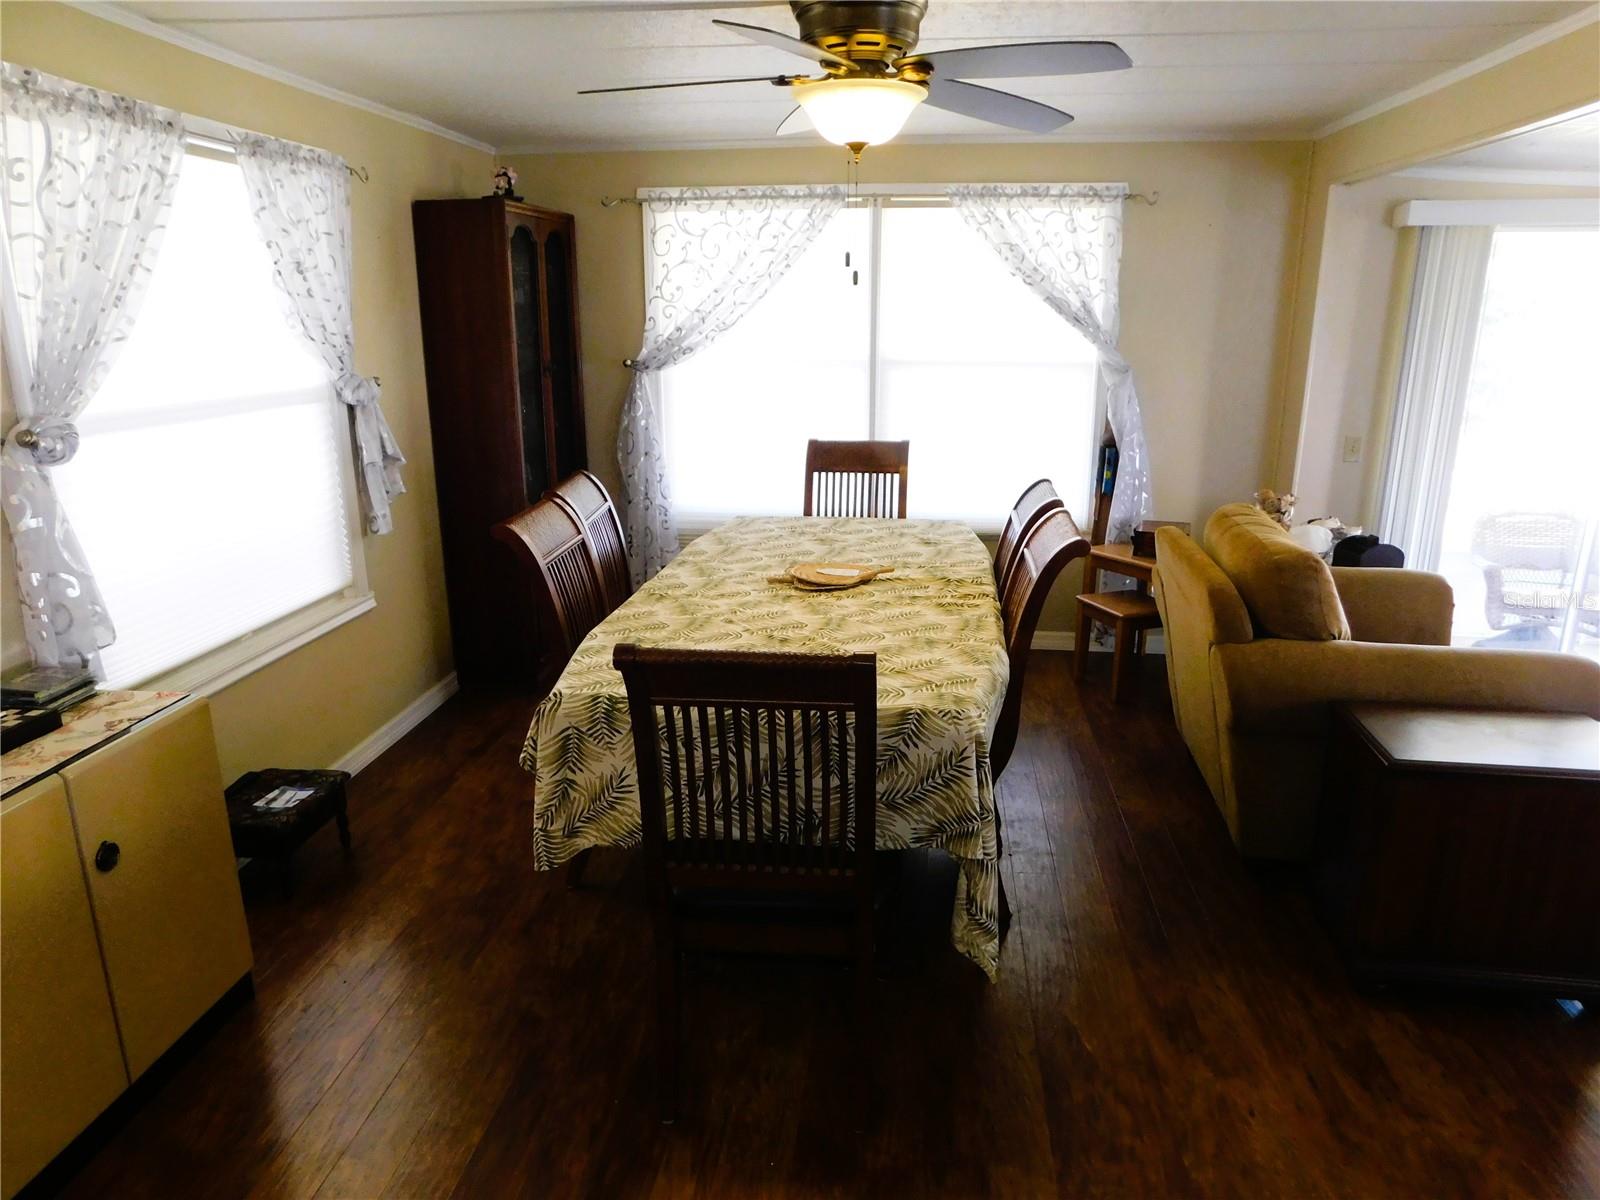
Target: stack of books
<point>51,688</point>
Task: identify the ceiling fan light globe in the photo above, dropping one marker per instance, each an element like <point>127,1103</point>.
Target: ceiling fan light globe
<point>848,111</point>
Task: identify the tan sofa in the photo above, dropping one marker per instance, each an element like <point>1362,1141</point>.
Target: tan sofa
<point>1262,637</point>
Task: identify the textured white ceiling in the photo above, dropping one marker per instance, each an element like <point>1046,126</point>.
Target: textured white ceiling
<point>1562,148</point>
<point>507,73</point>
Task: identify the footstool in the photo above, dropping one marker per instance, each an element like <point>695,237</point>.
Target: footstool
<point>271,813</point>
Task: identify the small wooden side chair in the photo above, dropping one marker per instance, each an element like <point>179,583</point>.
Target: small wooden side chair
<point>758,801</point>
<point>856,479</point>
<point>1130,614</point>
<point>586,498</point>
<point>1037,499</point>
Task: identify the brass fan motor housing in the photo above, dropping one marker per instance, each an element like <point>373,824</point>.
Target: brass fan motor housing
<point>872,33</point>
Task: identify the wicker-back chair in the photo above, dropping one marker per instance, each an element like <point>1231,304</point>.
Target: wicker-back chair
<point>1530,562</point>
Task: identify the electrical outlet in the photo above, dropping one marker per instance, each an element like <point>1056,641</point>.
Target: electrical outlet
<point>1352,449</point>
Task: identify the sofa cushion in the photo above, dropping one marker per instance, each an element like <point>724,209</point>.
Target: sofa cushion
<point>1288,589</point>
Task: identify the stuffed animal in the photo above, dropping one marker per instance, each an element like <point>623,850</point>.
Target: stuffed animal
<point>1279,508</point>
<point>505,183</point>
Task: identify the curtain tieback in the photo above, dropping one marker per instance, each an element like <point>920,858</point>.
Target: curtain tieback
<point>633,364</point>
<point>358,391</point>
<point>46,441</point>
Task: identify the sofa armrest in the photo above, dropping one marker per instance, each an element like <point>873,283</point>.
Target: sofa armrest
<point>1276,685</point>
<point>1387,605</point>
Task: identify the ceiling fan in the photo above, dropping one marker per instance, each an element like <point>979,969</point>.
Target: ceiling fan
<point>873,80</point>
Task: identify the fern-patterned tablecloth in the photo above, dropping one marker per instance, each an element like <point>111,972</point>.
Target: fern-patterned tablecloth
<point>942,669</point>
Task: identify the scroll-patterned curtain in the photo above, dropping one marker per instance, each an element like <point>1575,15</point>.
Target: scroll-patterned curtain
<point>301,200</point>
<point>710,255</point>
<point>89,181</point>
<point>1065,242</point>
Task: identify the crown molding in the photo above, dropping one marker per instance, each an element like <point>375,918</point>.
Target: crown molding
<point>1466,70</point>
<point>187,41</point>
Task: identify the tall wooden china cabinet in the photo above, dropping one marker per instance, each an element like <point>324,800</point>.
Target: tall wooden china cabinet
<point>499,295</point>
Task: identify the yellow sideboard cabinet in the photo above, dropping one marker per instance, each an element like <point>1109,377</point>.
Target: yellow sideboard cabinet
<point>121,924</point>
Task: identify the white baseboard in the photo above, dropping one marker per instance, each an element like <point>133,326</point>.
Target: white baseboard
<point>1063,639</point>
<point>403,723</point>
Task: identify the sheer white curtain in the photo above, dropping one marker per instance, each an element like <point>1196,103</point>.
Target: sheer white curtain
<point>301,200</point>
<point>89,179</point>
<point>1065,242</point>
<point>1441,335</point>
<point>710,255</point>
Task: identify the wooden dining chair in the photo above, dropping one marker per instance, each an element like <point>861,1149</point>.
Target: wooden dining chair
<point>586,498</point>
<point>1053,542</point>
<point>549,539</point>
<point>856,479</point>
<point>758,803</point>
<point>1037,499</point>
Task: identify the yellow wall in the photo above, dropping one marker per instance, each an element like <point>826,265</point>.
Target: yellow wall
<point>313,706</point>
<point>1547,81</point>
<point>1203,275</point>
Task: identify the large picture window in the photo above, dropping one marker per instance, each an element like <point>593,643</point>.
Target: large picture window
<point>212,491</point>
<point>898,322</point>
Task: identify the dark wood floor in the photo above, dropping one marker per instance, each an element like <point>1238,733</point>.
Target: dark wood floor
<point>434,1018</point>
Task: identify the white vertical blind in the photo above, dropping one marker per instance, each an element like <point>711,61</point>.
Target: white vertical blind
<point>209,489</point>
<point>1442,333</point>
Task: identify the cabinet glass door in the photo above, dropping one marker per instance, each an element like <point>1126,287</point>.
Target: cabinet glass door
<point>564,402</point>
<point>530,381</point>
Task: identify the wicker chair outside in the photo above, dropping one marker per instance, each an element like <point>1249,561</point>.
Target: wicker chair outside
<point>1529,563</point>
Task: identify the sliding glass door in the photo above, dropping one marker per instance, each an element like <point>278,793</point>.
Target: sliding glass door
<point>1512,475</point>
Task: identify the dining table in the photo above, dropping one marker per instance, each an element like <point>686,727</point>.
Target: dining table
<point>934,624</point>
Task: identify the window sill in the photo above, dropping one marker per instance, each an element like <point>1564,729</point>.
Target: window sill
<point>227,664</point>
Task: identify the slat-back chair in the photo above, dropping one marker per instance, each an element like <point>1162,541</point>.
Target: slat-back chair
<point>757,781</point>
<point>856,479</point>
<point>1038,498</point>
<point>549,539</point>
<point>587,499</point>
<point>1052,543</point>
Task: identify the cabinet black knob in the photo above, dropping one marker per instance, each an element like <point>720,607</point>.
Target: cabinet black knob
<point>107,856</point>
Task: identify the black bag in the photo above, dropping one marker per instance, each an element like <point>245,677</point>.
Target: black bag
<point>1365,550</point>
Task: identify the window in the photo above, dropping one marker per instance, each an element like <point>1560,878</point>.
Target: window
<point>925,335</point>
<point>212,491</point>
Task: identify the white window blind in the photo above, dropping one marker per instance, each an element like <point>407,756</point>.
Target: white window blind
<point>924,336</point>
<point>210,489</point>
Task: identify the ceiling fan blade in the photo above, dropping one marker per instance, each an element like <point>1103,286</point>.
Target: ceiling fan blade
<point>780,80</point>
<point>771,37</point>
<point>1002,108</point>
<point>1027,60</point>
<point>793,123</point>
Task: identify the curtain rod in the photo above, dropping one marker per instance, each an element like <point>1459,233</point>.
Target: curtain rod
<point>224,146</point>
<point>1151,198</point>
